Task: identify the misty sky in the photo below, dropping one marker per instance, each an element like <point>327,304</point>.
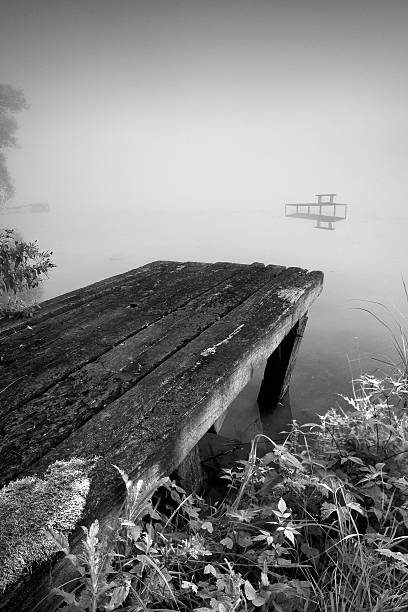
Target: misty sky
<point>208,104</point>
<point>213,106</point>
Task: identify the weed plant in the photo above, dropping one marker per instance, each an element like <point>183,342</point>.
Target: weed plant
<point>16,307</point>
<point>395,323</point>
<point>22,267</point>
<point>319,523</point>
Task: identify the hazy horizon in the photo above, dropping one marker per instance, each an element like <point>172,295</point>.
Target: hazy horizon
<point>208,105</point>
<point>151,122</point>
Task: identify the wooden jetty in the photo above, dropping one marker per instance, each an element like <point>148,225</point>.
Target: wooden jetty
<point>325,211</point>
<point>135,369</point>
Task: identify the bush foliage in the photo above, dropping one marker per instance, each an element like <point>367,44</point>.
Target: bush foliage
<point>21,263</point>
<point>22,266</point>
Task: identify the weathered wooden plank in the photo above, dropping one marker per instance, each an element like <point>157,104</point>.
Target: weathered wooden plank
<point>150,429</point>
<point>40,357</point>
<point>142,279</point>
<point>75,298</point>
<point>42,423</point>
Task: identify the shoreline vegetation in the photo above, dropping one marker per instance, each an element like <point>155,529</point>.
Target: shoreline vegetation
<point>22,268</point>
<point>318,523</point>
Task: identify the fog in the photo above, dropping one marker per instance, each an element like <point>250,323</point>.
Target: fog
<point>207,105</point>
<point>178,130</point>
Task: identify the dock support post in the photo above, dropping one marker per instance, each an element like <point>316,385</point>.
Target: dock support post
<point>279,368</point>
<point>189,473</point>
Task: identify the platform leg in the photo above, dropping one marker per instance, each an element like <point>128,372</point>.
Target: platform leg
<point>189,473</point>
<point>219,422</point>
<point>279,368</point>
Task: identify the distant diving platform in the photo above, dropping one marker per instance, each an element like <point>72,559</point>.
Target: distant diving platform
<point>325,211</point>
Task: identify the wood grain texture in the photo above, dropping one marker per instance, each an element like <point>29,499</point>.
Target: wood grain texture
<point>41,423</point>
<point>150,428</point>
<point>54,346</point>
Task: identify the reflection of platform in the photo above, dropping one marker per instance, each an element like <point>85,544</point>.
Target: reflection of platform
<point>324,212</point>
<point>323,221</point>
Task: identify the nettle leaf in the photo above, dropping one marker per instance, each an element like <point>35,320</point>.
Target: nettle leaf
<point>127,523</point>
<point>377,512</point>
<point>400,482</point>
<point>398,556</point>
<point>328,509</point>
<point>373,491</point>
<point>268,458</point>
<point>252,595</point>
<point>192,512</point>
<point>227,543</point>
<point>352,459</point>
<point>282,505</point>
<point>135,533</point>
<point>292,461</point>
<point>290,535</point>
<point>210,569</point>
<point>285,562</point>
<point>264,536</point>
<point>68,598</point>
<point>119,595</point>
<point>245,515</point>
<point>244,539</point>
<point>355,506</point>
<point>185,584</point>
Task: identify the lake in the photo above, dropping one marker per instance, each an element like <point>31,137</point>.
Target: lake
<point>362,259</point>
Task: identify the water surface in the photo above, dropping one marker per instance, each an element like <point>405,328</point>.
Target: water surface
<point>362,259</point>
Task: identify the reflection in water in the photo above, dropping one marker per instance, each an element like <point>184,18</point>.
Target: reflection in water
<point>325,211</point>
<point>245,419</point>
<point>249,414</point>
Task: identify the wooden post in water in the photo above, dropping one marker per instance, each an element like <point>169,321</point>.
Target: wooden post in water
<point>279,368</point>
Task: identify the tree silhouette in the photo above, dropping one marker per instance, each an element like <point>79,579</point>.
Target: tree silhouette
<point>12,101</point>
<point>21,264</point>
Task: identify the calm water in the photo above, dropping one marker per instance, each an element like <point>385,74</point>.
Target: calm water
<point>363,259</point>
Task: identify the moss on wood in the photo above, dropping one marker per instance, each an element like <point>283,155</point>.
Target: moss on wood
<point>32,508</point>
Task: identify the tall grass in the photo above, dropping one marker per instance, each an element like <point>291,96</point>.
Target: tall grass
<point>395,323</point>
<point>318,523</point>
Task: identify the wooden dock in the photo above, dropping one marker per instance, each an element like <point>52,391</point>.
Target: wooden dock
<point>138,367</point>
<point>325,211</point>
